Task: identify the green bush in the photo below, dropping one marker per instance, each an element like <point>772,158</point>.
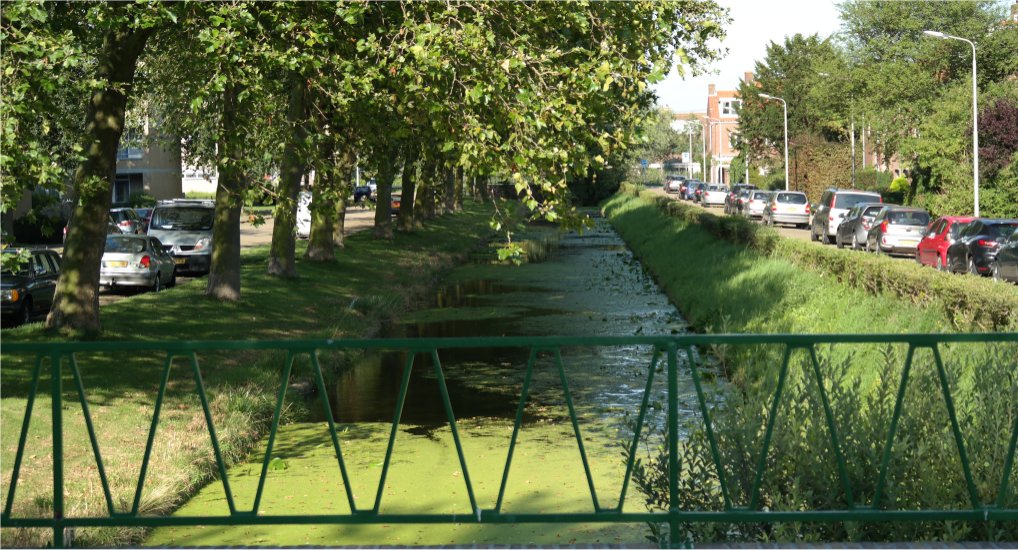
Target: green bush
<point>970,303</point>
<point>199,195</point>
<point>141,200</point>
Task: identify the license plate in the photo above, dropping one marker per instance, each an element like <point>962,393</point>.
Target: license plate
<point>180,261</point>
<point>115,263</point>
<point>908,242</point>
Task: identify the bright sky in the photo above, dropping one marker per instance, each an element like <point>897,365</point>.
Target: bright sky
<point>755,23</point>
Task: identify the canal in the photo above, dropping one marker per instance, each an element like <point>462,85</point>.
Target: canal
<point>590,285</point>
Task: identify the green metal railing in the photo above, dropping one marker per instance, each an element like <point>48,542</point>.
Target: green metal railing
<point>676,355</point>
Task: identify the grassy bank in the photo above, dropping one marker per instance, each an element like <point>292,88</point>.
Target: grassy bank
<point>371,281</point>
<point>722,286</point>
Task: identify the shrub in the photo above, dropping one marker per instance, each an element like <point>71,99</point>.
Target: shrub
<point>970,303</point>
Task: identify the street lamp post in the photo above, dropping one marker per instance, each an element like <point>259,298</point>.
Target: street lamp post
<point>784,106</point>
<point>689,162</point>
<point>975,115</point>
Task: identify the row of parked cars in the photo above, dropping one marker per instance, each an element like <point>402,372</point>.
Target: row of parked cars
<point>862,221</point>
<point>145,249</point>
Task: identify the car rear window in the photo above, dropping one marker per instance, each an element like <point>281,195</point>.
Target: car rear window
<point>759,196</point>
<point>124,245</point>
<point>184,219</point>
<point>848,200</point>
<point>908,218</point>
<point>791,198</point>
<point>1001,229</point>
<point>871,211</point>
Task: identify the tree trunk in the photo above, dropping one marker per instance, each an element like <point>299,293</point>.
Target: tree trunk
<point>321,246</point>
<point>76,302</point>
<point>383,204</point>
<point>344,191</point>
<point>224,271</point>
<point>405,220</point>
<point>449,191</point>
<point>427,196</point>
<point>457,202</point>
<point>282,261</point>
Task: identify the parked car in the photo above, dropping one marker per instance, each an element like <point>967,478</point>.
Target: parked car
<point>855,227</point>
<point>791,207</point>
<point>304,215</point>
<point>136,260</point>
<point>394,204</point>
<point>362,192</point>
<point>939,236</point>
<point>897,230</point>
<point>27,291</point>
<point>673,183</point>
<point>698,190</point>
<point>977,245</point>
<point>714,195</point>
<point>831,209</point>
<point>111,229</point>
<point>731,201</point>
<point>145,215</point>
<point>184,227</point>
<point>757,202</point>
<point>128,221</point>
<point>1005,266</point>
<point>741,202</point>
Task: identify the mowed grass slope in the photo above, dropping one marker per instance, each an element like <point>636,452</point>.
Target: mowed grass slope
<point>370,282</point>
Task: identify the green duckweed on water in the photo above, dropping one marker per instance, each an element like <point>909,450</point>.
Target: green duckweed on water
<point>425,477</point>
<point>589,285</point>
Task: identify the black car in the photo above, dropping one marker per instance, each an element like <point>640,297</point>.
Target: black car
<point>28,289</point>
<point>977,245</point>
<point>732,206</point>
<point>1005,265</point>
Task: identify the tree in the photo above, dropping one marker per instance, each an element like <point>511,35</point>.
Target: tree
<point>113,36</point>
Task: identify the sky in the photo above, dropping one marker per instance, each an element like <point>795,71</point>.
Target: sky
<point>755,23</point>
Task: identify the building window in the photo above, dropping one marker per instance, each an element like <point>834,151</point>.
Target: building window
<point>729,107</point>
<point>126,185</point>
<point>130,145</point>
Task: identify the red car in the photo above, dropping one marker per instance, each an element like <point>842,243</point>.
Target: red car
<point>932,248</point>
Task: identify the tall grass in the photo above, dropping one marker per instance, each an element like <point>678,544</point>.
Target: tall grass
<point>725,287</point>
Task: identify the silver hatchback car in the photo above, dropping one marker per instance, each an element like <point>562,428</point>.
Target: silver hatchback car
<point>897,230</point>
<point>136,260</point>
<point>791,207</point>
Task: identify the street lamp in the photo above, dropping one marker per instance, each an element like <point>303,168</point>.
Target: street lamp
<point>975,115</point>
<point>784,105</point>
<point>689,162</point>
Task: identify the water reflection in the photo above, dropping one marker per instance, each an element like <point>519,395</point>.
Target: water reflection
<point>591,285</point>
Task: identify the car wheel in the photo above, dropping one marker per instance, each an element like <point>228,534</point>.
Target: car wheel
<point>26,312</point>
<point>173,279</point>
<point>855,242</point>
<point>940,264</point>
<point>972,267</point>
<point>158,284</point>
<point>838,241</point>
<point>996,272</point>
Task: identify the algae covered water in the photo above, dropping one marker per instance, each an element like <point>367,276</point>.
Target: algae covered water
<point>590,285</point>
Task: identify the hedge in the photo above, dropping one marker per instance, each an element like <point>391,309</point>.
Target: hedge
<point>971,303</point>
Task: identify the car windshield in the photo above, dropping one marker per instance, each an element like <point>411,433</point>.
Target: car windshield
<point>848,200</point>
<point>908,217</point>
<point>193,219</point>
<point>1001,229</point>
<point>791,198</point>
<point>124,245</point>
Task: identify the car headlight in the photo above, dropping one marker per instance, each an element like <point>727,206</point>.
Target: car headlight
<point>203,243</point>
<point>11,295</point>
